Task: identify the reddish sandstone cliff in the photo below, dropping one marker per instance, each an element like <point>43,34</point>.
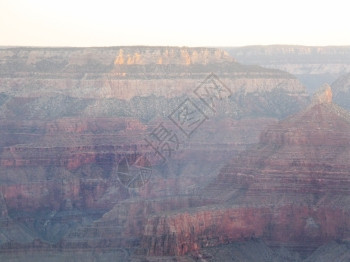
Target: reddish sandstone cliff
<point>291,189</point>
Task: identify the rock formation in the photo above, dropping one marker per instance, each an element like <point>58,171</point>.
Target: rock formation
<point>292,189</point>
<point>68,116</point>
<point>96,81</point>
<point>323,96</point>
<point>341,89</point>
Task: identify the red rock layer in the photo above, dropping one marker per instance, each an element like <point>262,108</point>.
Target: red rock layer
<point>292,189</point>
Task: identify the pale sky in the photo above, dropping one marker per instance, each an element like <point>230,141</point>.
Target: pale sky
<point>180,23</point>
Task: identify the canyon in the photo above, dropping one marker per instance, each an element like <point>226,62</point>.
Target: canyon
<point>267,169</point>
<point>291,189</point>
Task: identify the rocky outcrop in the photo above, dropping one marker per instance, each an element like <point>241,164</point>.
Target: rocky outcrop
<point>47,83</point>
<point>301,228</point>
<point>341,89</point>
<point>123,225</point>
<point>170,55</point>
<point>247,251</point>
<point>42,58</point>
<point>291,189</point>
<point>323,96</point>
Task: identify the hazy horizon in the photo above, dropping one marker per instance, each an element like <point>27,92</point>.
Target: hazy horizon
<point>40,23</point>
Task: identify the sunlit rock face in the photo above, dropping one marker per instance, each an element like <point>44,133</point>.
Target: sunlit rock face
<point>324,95</point>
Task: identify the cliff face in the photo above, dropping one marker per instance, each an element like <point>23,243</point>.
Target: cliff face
<point>69,116</point>
<point>341,88</point>
<point>291,189</point>
<point>302,228</point>
<point>39,83</point>
<point>138,55</point>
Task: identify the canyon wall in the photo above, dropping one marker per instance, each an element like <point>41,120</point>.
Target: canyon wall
<point>70,116</point>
